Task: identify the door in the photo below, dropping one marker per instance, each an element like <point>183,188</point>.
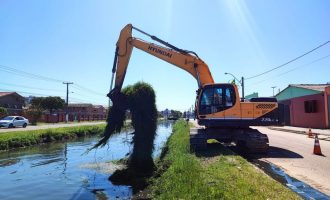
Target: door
<point>19,121</point>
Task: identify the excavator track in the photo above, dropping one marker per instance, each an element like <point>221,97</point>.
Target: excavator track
<point>198,139</point>
<point>248,139</point>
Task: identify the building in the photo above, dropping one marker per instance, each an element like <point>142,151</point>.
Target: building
<point>86,112</point>
<point>13,102</point>
<point>306,105</point>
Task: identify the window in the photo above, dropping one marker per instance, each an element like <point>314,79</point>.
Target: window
<point>216,99</point>
<point>310,106</point>
<point>229,98</point>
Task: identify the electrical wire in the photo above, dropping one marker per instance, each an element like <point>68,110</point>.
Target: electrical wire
<point>301,66</point>
<point>77,86</point>
<point>35,88</point>
<point>282,65</point>
<point>27,74</point>
<point>30,93</point>
<point>44,78</point>
<point>77,100</point>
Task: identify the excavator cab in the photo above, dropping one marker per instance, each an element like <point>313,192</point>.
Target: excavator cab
<point>216,98</point>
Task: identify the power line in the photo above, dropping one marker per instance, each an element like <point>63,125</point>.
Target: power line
<point>35,88</point>
<point>325,43</point>
<point>30,93</point>
<point>27,74</point>
<point>40,77</point>
<point>301,66</point>
<point>77,86</point>
<point>63,97</point>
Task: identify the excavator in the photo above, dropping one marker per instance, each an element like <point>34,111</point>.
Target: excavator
<point>218,108</point>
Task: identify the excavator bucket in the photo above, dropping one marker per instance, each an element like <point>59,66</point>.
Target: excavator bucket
<point>119,100</point>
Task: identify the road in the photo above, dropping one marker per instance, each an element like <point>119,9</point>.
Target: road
<point>294,154</point>
<point>47,126</point>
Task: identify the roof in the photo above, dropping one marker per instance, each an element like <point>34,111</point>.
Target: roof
<point>98,106</point>
<point>316,87</point>
<point>299,90</point>
<point>5,93</point>
<point>2,94</point>
<point>80,105</point>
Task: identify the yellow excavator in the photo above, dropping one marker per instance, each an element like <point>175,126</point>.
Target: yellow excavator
<point>218,108</point>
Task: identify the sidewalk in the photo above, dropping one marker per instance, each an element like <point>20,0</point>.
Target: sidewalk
<point>323,134</point>
<point>49,126</point>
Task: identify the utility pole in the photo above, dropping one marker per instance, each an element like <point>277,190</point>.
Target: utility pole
<point>273,90</point>
<point>241,82</point>
<point>67,100</point>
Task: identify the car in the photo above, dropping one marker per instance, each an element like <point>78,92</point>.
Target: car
<point>14,121</point>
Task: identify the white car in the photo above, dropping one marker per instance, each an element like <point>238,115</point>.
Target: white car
<point>14,121</point>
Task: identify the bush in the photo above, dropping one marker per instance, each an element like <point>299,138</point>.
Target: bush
<point>3,112</point>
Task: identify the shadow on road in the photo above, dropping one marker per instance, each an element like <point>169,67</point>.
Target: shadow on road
<point>216,149</point>
<point>276,152</point>
<point>273,152</point>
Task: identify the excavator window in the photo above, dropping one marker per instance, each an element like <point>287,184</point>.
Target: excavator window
<point>216,99</point>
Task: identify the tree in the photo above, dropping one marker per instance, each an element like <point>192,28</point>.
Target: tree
<point>52,103</point>
<point>176,114</point>
<point>48,103</point>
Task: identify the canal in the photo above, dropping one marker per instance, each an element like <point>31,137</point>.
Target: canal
<point>64,170</point>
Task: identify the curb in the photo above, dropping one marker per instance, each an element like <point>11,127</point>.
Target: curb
<point>327,137</point>
<point>288,130</point>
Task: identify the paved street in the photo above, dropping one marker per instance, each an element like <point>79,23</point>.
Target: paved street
<point>47,126</point>
<point>294,154</point>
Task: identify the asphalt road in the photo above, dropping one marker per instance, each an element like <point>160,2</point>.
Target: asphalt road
<point>47,126</point>
<point>294,154</point>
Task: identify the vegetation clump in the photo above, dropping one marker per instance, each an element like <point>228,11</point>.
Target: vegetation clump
<point>140,100</point>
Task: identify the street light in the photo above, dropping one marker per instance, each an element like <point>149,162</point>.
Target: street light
<point>241,82</point>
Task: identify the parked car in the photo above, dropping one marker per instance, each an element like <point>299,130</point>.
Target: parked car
<point>14,121</point>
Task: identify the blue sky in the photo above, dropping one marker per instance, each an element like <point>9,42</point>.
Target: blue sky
<point>75,41</point>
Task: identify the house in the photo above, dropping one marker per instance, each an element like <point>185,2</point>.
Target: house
<point>306,105</point>
<point>86,111</point>
<point>13,102</point>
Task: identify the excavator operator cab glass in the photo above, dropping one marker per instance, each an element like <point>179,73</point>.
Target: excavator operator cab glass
<point>216,98</point>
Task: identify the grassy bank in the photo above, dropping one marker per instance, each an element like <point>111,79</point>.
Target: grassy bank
<point>18,139</point>
<point>215,174</point>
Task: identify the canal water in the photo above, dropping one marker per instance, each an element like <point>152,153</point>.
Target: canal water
<point>58,170</point>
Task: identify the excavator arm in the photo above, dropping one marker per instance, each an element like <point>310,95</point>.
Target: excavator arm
<point>186,60</point>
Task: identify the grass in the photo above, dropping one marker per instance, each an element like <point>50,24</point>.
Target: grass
<point>18,139</point>
<point>215,174</point>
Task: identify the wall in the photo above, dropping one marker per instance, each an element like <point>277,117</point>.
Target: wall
<point>309,120</point>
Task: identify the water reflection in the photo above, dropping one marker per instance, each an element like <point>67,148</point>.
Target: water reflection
<point>53,171</point>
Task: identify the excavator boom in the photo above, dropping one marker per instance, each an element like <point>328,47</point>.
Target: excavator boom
<point>185,60</point>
